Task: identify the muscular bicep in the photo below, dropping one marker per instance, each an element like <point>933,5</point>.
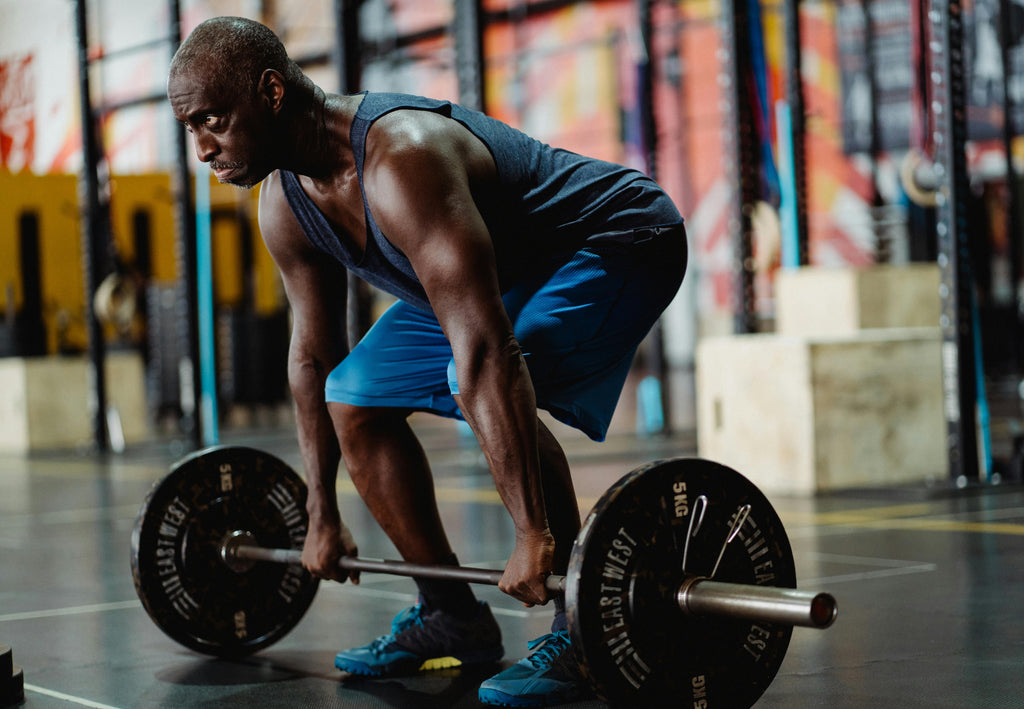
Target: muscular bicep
<point>429,213</point>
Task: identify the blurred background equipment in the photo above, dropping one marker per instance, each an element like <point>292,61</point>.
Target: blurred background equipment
<point>839,136</point>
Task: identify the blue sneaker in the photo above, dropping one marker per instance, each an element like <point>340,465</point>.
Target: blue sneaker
<point>424,639</point>
<point>550,675</point>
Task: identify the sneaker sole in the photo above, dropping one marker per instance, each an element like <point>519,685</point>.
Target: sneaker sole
<point>496,698</point>
<point>407,666</point>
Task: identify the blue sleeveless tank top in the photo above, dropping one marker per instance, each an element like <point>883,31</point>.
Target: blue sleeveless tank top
<point>547,202</point>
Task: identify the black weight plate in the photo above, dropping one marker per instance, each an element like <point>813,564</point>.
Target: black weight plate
<point>6,661</point>
<point>12,691</point>
<point>183,583</point>
<point>636,645</point>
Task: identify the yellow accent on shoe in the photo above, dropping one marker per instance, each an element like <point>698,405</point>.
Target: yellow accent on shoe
<point>440,663</point>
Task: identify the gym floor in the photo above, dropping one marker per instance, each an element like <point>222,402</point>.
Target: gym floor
<point>930,583</point>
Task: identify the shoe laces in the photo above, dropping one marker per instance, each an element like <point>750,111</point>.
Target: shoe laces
<point>549,648</point>
<point>408,618</point>
<point>405,620</point>
<point>382,643</point>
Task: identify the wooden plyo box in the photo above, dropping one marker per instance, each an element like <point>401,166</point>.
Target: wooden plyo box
<point>46,400</point>
<point>839,301</point>
<point>817,413</point>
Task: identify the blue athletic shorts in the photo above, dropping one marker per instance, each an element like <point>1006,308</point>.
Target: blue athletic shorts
<point>578,322</point>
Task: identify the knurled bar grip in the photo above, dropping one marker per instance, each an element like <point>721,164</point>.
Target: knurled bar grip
<point>695,597</point>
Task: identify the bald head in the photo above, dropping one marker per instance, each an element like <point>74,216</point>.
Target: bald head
<point>231,54</point>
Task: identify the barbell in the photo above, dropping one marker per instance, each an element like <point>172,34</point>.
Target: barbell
<point>681,582</point>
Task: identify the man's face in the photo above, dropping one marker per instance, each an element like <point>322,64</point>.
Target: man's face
<point>232,132</point>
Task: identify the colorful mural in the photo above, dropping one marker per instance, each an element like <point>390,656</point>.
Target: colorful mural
<point>17,112</point>
<point>568,73</point>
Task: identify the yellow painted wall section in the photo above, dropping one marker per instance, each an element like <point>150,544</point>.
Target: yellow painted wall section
<point>152,193</point>
<point>55,199</point>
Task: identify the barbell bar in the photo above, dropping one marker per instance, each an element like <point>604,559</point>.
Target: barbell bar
<point>696,595</point>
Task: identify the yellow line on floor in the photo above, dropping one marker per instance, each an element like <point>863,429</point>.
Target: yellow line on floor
<point>942,525</point>
<point>910,517</point>
<point>844,517</point>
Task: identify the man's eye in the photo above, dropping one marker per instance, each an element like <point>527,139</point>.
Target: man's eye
<point>211,121</point>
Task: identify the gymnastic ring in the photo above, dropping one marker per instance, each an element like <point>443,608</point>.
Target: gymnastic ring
<point>115,301</point>
<point>908,179</point>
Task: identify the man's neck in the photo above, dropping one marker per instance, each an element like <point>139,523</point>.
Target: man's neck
<point>320,146</point>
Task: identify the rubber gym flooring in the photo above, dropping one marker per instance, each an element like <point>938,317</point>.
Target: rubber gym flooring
<point>930,585</point>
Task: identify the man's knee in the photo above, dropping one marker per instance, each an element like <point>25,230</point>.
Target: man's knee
<point>356,424</point>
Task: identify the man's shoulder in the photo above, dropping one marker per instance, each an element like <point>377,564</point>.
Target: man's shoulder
<point>271,195</point>
<point>274,212</point>
<point>408,135</point>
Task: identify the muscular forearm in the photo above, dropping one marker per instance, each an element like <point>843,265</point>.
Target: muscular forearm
<point>327,536</point>
<point>317,441</point>
<point>497,399</point>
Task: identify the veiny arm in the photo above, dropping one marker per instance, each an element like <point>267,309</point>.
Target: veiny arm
<point>317,296</point>
<point>419,175</point>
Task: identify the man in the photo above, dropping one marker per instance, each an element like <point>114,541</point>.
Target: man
<point>527,276</point>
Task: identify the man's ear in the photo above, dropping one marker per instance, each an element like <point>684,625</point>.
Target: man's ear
<point>271,88</point>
